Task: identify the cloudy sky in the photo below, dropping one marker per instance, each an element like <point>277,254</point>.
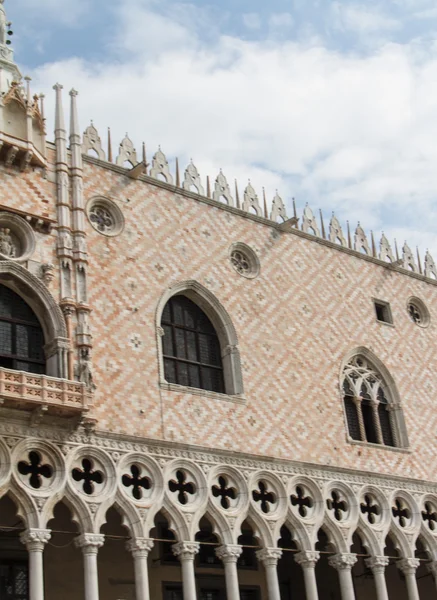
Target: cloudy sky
<point>333,102</point>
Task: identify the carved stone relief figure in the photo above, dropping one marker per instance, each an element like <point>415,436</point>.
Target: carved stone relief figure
<point>7,244</point>
<point>83,370</point>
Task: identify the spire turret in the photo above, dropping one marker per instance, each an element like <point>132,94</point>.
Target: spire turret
<point>9,71</point>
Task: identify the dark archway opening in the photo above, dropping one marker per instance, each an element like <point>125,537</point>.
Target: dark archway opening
<point>14,570</point>
<point>327,577</point>
<point>425,579</point>
<point>395,579</point>
<point>116,567</point>
<point>210,577</point>
<point>290,574</point>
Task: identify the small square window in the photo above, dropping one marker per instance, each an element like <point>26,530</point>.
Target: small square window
<point>383,312</point>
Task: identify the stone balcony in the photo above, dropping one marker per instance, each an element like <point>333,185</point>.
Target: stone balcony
<point>41,394</point>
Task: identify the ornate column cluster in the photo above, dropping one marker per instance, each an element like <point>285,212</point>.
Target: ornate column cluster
<point>90,543</point>
<point>35,541</point>
<point>308,560</point>
<point>377,565</point>
<point>229,555</point>
<point>140,548</point>
<point>409,566</point>
<point>343,563</point>
<point>269,557</point>
<point>186,553</point>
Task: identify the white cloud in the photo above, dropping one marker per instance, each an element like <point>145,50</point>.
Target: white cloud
<point>252,21</point>
<point>363,19</point>
<point>348,133</point>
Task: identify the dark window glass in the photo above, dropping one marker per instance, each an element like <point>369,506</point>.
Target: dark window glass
<point>369,421</point>
<point>13,580</point>
<point>384,418</point>
<point>352,418</point>
<point>173,593</point>
<point>191,348</point>
<point>21,336</point>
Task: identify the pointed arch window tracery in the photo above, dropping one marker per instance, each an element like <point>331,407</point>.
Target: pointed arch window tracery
<point>367,403</point>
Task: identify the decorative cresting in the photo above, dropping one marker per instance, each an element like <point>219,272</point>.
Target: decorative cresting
<point>366,403</point>
<point>126,153</point>
<point>17,239</point>
<point>360,242</point>
<point>161,167</point>
<point>309,224</point>
<point>278,209</point>
<point>430,267</point>
<point>336,235</point>
<point>408,259</point>
<point>251,201</point>
<point>192,178</point>
<point>385,252</point>
<point>222,190</point>
<point>92,141</point>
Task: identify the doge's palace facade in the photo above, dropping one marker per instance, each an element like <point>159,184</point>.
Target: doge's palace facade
<point>202,397</point>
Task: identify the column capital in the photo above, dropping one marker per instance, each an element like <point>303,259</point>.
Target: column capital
<point>185,550</point>
<point>90,543</point>
<point>342,562</point>
<point>307,559</point>
<point>140,547</point>
<point>229,553</point>
<point>35,539</point>
<point>269,556</point>
<point>377,563</point>
<point>408,566</point>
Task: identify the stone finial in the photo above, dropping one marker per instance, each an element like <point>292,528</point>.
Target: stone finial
<point>361,242</point>
<point>251,200</point>
<point>91,141</point>
<point>430,267</point>
<point>335,231</point>
<point>160,167</point>
<point>126,153</point>
<point>309,223</point>
<point>222,190</point>
<point>192,177</point>
<point>385,251</point>
<point>408,259</point>
<point>278,209</point>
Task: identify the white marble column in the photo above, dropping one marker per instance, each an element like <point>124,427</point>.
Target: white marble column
<point>432,568</point>
<point>377,564</point>
<point>140,548</point>
<point>343,563</point>
<point>269,557</point>
<point>229,555</point>
<point>186,552</point>
<point>408,566</point>
<point>90,543</point>
<point>308,560</point>
<point>35,540</point>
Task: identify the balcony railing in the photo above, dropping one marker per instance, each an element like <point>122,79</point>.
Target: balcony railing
<point>29,391</point>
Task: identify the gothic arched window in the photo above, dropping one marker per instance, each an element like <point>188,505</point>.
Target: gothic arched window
<point>367,403</point>
<point>21,336</point>
<point>191,348</point>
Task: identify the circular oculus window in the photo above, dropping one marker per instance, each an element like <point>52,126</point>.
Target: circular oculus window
<point>105,216</point>
<point>244,260</point>
<point>418,312</point>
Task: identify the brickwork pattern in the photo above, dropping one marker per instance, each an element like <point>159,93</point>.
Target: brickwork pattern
<point>295,322</point>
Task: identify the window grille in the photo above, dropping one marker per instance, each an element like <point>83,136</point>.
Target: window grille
<point>366,404</point>
<point>191,348</point>
<point>21,336</point>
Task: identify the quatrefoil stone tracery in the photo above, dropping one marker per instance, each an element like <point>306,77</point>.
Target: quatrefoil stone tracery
<point>337,506</point>
<point>136,482</point>
<point>182,487</point>
<point>429,515</point>
<point>87,477</point>
<point>401,513</point>
<point>36,472</point>
<point>370,509</point>
<point>101,219</point>
<point>264,498</point>
<point>302,502</point>
<point>224,492</point>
